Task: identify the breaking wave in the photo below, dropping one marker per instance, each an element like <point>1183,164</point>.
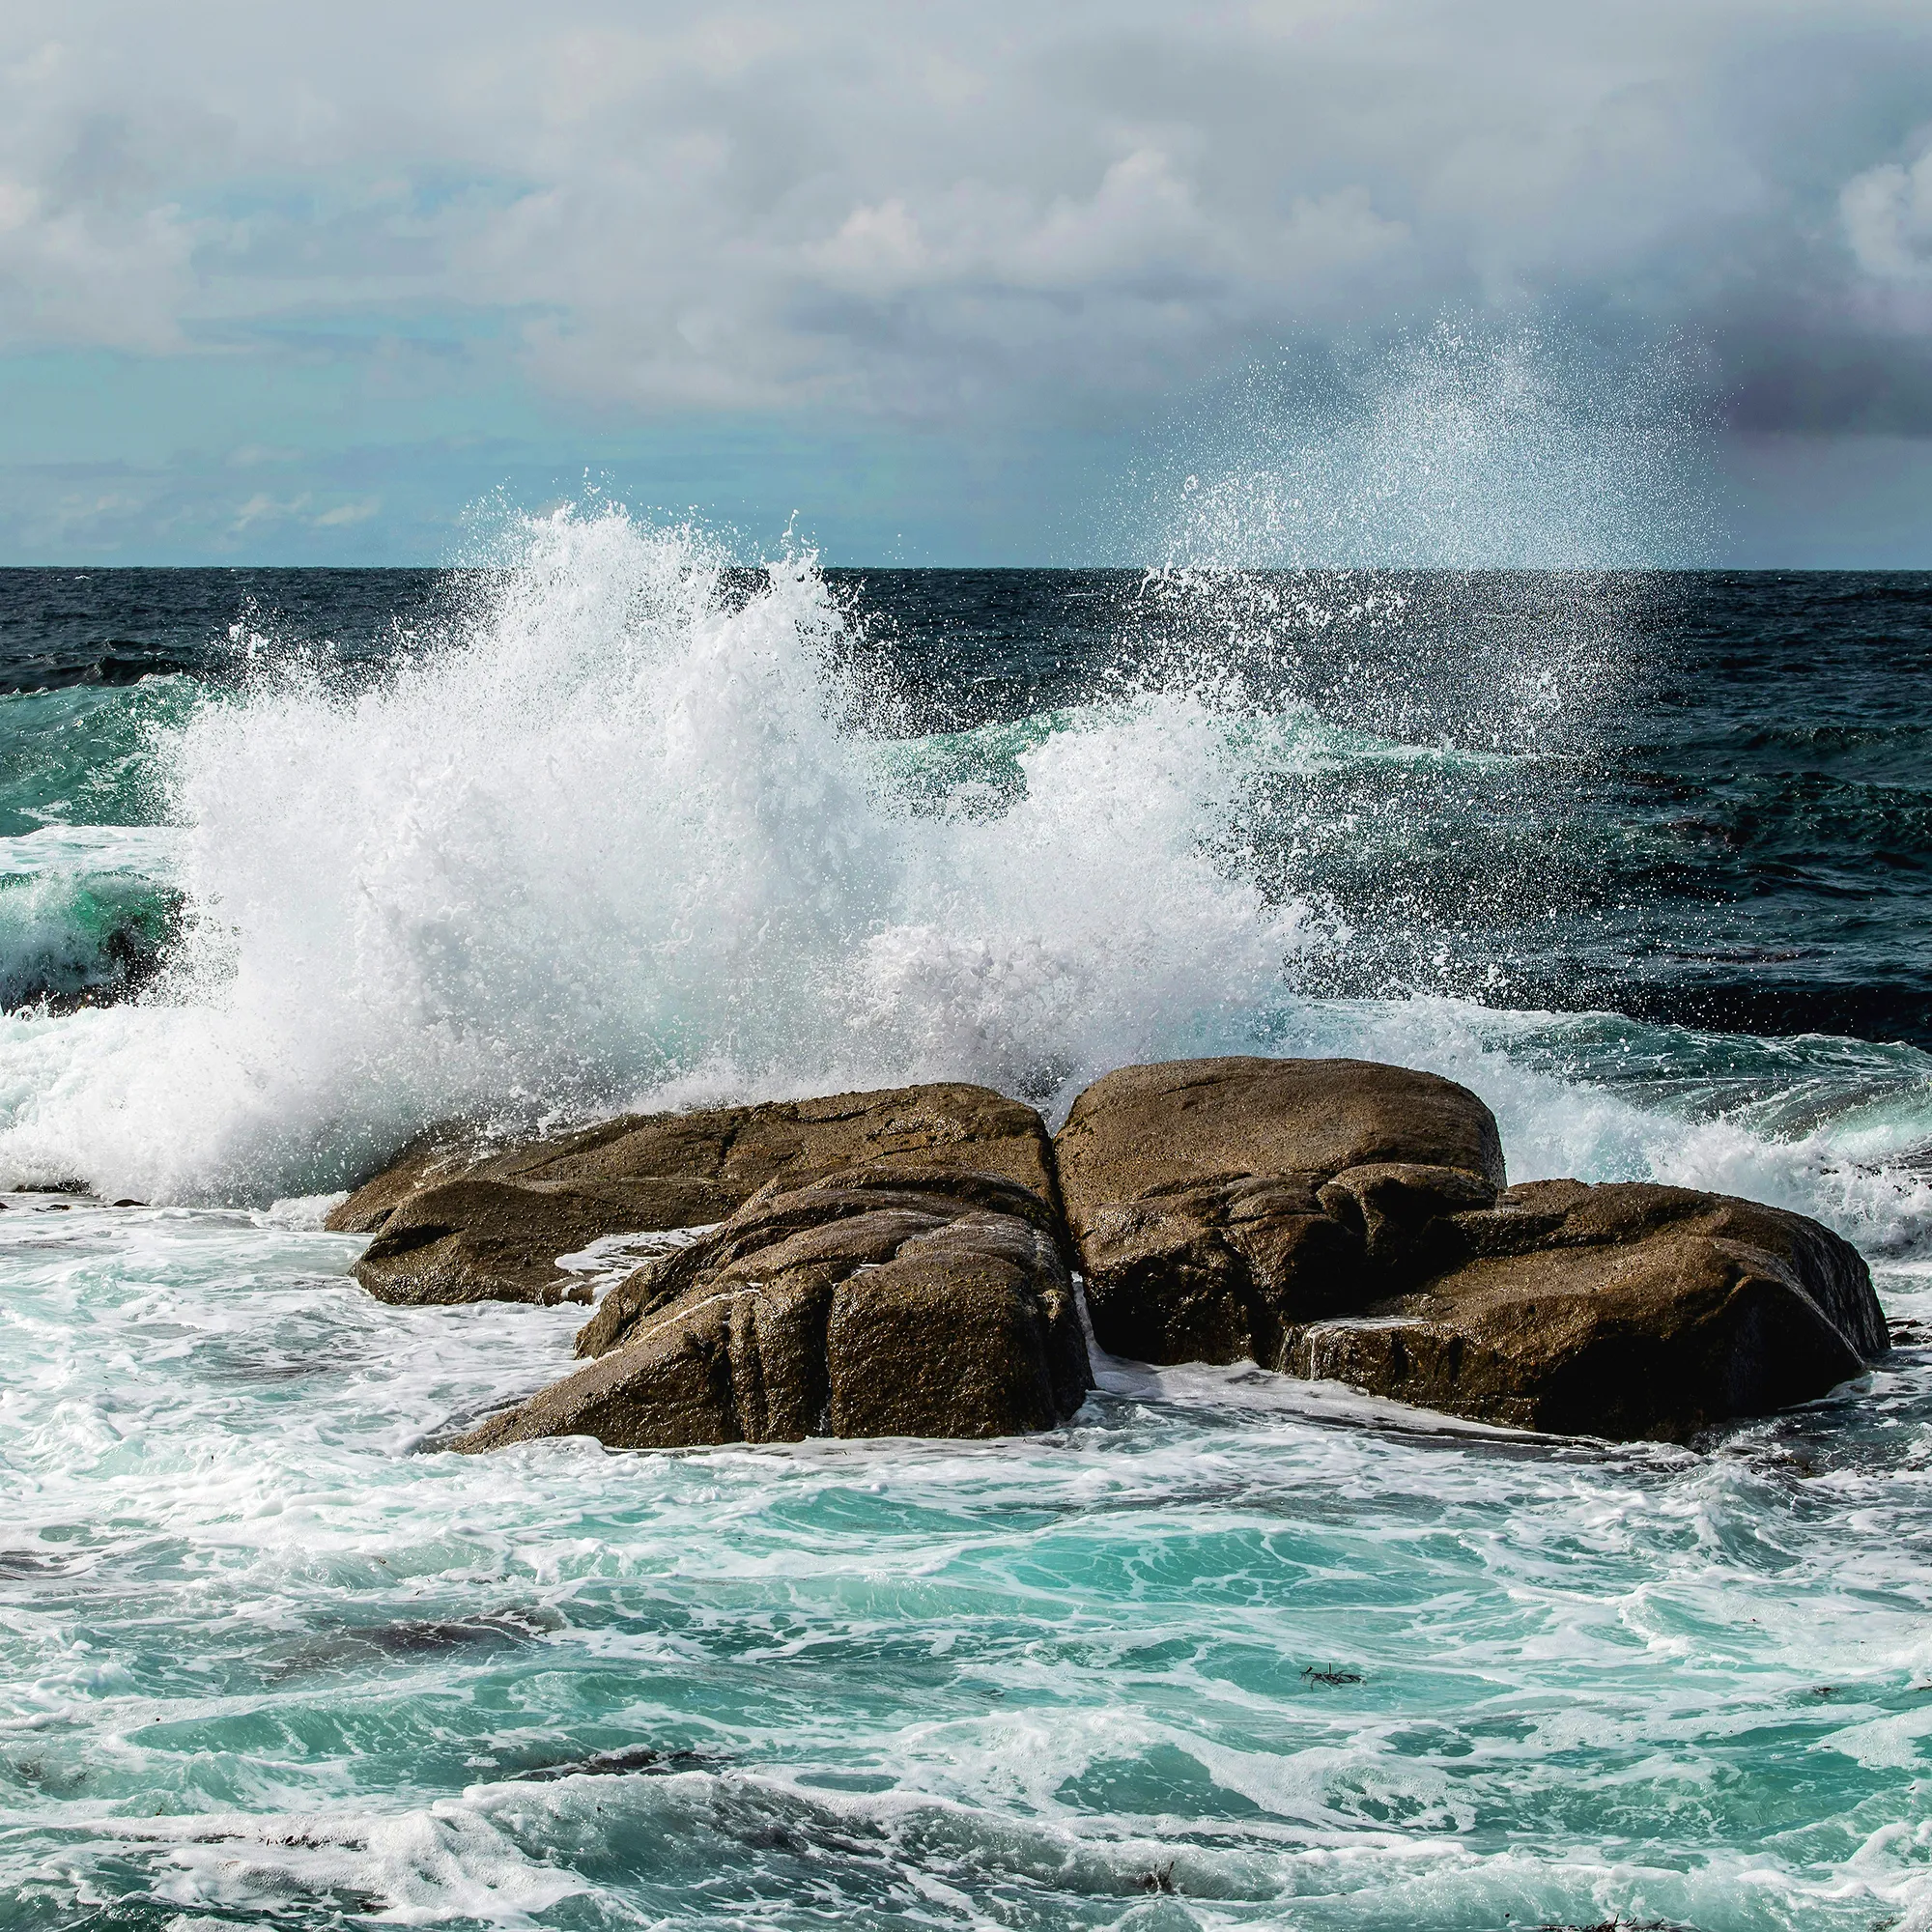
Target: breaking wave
<point>616,835</point>
<point>628,831</point>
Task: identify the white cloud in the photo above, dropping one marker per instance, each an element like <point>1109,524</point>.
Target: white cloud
<point>938,210</point>
<point>345,514</point>
<point>261,508</point>
<point>876,251</point>
<point>1887,216</point>
<point>77,274</point>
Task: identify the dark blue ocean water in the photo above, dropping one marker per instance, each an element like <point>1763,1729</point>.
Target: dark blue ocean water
<point>293,863</point>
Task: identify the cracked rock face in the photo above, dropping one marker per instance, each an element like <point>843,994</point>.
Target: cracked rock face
<point>880,1301</point>
<point>452,1224</point>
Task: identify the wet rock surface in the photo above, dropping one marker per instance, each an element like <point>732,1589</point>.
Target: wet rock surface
<point>1625,1311</point>
<point>1218,1204</point>
<point>476,1239</point>
<point>454,1224</point>
<point>900,1262</point>
<point>1336,1220</point>
<point>440,1154</point>
<point>885,1300</point>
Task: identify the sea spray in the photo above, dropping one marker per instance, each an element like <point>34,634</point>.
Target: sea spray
<point>614,838</point>
<point>627,827</point>
<point>1470,446</point>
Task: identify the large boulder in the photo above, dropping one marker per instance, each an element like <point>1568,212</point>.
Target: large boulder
<point>1336,1220</point>
<point>1218,1204</point>
<point>1625,1311</point>
<point>455,1224</point>
<point>885,1300</point>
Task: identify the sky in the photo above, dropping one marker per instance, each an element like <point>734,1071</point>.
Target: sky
<point>1297,281</point>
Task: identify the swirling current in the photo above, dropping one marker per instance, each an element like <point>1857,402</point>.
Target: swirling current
<point>294,863</point>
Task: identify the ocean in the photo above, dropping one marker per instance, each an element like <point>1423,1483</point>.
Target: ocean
<point>294,863</point>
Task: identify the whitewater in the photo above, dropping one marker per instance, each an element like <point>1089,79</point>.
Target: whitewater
<point>615,825</point>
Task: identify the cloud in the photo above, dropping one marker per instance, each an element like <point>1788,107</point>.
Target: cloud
<point>263,508</point>
<point>1887,216</point>
<point>345,514</point>
<point>965,213</point>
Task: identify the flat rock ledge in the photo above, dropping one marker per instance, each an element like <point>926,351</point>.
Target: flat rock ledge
<point>453,1224</point>
<point>901,1263</point>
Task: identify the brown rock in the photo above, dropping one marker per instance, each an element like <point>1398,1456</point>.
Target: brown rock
<point>439,1154</point>
<point>474,1239</point>
<point>1335,1219</point>
<point>1145,1128</point>
<point>780,1222</point>
<point>1623,1310</point>
<point>649,1172</point>
<point>882,1301</point>
<point>1215,1203</point>
<point>1546,1214</point>
<point>947,1127</point>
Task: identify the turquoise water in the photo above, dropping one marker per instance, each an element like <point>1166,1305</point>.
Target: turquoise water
<point>82,891</point>
<point>1229,1650</point>
<point>1307,1661</point>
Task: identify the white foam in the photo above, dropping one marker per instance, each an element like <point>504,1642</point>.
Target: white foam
<point>144,851</point>
<point>614,836</point>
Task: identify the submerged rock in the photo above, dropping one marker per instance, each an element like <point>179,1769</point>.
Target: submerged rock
<point>886,1300</point>
<point>1334,1218</point>
<point>103,945</point>
<point>455,1225</point>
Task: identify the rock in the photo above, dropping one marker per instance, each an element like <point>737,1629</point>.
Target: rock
<point>888,1300</point>
<point>442,1152</point>
<point>897,1263</point>
<point>1218,1204</point>
<point>454,1224</point>
<point>1624,1311</point>
<point>1334,1220</point>
<point>476,1239</point>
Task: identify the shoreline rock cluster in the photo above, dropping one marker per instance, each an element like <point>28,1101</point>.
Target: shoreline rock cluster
<point>903,1263</point>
